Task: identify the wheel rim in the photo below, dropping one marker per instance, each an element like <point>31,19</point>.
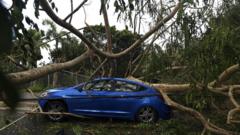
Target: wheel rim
<point>53,108</point>
<point>146,114</point>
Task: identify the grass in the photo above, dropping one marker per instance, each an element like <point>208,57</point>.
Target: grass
<point>181,124</point>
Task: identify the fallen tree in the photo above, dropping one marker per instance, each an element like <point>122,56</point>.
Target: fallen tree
<point>215,86</point>
<point>33,74</point>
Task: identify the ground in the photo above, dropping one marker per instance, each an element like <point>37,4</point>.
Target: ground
<point>38,125</point>
<point>180,124</point>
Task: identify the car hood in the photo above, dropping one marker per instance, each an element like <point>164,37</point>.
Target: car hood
<point>63,91</point>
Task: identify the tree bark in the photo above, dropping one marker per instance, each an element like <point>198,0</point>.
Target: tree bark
<point>45,6</point>
<point>33,74</point>
<point>207,124</point>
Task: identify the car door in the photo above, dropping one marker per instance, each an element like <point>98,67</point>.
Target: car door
<point>100,96</point>
<point>81,103</point>
<point>84,102</point>
<point>125,97</point>
<point>92,100</point>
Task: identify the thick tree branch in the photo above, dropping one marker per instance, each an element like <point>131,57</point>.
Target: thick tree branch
<point>69,27</point>
<point>217,86</point>
<point>207,125</point>
<point>169,88</point>
<point>235,103</point>
<point>33,74</point>
<point>107,26</point>
<point>225,75</point>
<point>75,10</point>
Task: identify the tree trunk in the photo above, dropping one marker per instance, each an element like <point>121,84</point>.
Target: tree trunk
<point>33,74</point>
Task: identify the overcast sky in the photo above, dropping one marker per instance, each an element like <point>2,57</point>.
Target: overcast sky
<point>92,16</point>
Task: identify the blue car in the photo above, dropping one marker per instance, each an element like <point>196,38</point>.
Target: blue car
<point>107,97</point>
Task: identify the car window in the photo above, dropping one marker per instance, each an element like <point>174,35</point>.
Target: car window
<point>99,85</point>
<point>108,86</point>
<point>88,86</point>
<point>122,86</point>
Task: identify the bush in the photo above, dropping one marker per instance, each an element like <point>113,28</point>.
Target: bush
<point>37,87</point>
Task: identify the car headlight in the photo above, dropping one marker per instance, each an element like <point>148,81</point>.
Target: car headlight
<point>44,94</point>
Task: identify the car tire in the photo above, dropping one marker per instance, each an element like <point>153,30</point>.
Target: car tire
<point>55,106</point>
<point>146,114</point>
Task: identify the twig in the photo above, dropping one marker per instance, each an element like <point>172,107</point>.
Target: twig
<point>79,75</point>
<point>16,63</point>
<point>75,10</point>
<point>70,20</point>
<point>30,91</point>
<point>57,37</point>
<point>105,60</point>
<point>141,60</point>
<point>204,131</point>
<point>94,33</point>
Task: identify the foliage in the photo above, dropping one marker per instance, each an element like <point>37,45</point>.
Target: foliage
<point>217,49</point>
<point>204,40</point>
<point>71,48</point>
<point>121,39</point>
<point>37,87</point>
<point>27,51</point>
<point>199,100</point>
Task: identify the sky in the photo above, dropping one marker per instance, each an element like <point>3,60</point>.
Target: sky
<point>93,16</point>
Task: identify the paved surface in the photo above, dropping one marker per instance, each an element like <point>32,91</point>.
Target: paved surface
<point>27,103</point>
<point>29,96</point>
<point>23,106</point>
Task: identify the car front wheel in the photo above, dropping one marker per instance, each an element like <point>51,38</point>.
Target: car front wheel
<point>55,107</point>
<point>147,115</point>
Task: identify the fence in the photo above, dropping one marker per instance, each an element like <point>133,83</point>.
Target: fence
<point>64,78</point>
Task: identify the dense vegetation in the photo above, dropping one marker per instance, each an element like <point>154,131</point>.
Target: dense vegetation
<point>195,46</point>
